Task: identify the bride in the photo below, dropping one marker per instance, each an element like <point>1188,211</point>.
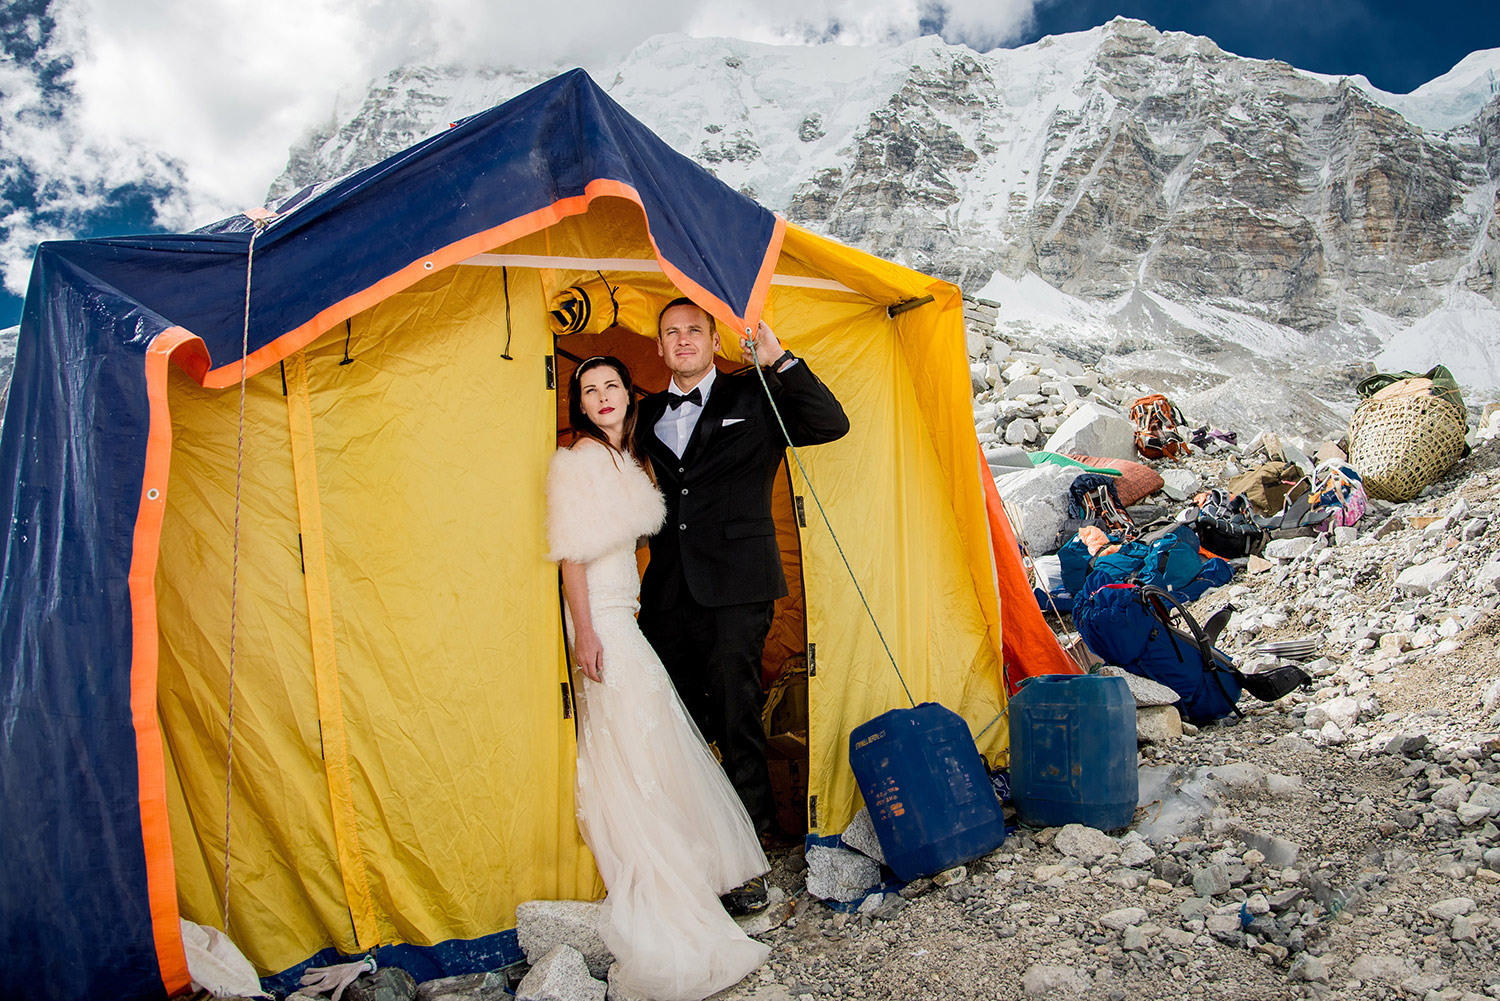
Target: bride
<point>666,828</point>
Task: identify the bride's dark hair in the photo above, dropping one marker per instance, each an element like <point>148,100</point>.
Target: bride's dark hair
<point>584,427</point>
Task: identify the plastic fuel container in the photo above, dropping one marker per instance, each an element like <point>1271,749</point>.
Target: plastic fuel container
<point>1073,751</point>
<point>930,799</point>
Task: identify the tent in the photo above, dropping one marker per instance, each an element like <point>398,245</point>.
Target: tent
<point>402,734</point>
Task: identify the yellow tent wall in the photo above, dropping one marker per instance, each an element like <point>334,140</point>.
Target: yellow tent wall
<point>403,764</point>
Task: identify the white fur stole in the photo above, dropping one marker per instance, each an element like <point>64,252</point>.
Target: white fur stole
<point>598,502</point>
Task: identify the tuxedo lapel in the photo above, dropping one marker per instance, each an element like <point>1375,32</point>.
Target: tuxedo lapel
<point>652,408</point>
<point>708,421</point>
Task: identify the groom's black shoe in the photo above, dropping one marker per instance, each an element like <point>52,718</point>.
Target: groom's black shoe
<point>747,898</point>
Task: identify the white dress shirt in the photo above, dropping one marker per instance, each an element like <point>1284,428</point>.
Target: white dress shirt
<point>676,425</point>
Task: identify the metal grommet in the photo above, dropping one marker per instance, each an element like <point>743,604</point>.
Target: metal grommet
<point>153,493</point>
<point>427,265</point>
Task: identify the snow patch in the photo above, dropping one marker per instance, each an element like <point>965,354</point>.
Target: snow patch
<point>1463,334</point>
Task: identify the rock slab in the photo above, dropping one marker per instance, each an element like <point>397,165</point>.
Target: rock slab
<point>389,983</point>
<point>860,835</point>
<point>542,925</point>
<point>1053,981</point>
<point>490,986</point>
<point>1086,844</point>
<point>839,874</point>
<point>1157,724</point>
<point>561,975</point>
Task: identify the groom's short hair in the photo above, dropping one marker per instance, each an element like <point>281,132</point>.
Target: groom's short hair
<point>683,300</point>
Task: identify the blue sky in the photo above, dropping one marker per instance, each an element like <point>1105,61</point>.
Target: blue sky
<point>1398,44</point>
<point>167,114</point>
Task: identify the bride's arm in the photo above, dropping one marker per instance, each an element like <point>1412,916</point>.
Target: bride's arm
<point>588,652</point>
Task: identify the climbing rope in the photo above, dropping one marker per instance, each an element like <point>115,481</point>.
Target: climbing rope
<point>755,360</point>
<point>234,571</point>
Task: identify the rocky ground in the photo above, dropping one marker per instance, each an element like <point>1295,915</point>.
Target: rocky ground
<point>1344,842</point>
<point>1341,843</point>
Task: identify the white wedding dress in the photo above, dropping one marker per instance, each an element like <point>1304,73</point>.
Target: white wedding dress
<point>667,830</point>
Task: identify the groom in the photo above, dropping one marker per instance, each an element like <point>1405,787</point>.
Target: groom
<point>715,570</point>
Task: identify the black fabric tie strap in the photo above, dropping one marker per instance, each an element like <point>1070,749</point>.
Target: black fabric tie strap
<point>675,400</point>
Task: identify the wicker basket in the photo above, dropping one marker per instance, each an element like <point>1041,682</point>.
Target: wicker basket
<point>1404,439</point>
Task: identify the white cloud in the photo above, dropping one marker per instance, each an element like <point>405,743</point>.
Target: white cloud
<point>980,24</point>
<point>201,99</point>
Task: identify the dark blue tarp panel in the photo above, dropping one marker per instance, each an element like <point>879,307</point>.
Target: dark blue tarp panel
<point>74,920</point>
<point>523,156</point>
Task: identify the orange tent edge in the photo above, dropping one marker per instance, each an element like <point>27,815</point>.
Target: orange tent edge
<point>156,834</point>
<point>461,250</point>
<point>1030,646</point>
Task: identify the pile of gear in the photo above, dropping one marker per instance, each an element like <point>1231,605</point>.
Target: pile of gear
<point>1126,584</point>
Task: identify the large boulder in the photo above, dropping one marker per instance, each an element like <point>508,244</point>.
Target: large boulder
<point>1094,430</point>
<point>1037,500</point>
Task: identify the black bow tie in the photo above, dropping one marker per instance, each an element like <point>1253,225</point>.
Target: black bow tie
<point>675,400</point>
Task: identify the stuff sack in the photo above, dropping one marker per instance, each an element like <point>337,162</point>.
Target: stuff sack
<point>1159,428</point>
<point>1341,489</point>
<point>1129,626</point>
<point>1268,486</point>
<point>1075,559</point>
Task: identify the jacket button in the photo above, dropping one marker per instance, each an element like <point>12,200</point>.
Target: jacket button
<point>682,527</point>
<point>684,491</point>
<point>680,469</point>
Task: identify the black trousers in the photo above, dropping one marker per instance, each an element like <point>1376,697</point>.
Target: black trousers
<point>713,658</point>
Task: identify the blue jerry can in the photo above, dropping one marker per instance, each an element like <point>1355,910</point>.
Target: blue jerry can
<point>930,798</point>
<point>1072,751</point>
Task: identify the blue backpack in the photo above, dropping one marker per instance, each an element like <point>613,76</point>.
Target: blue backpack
<point>1130,626</point>
<point>1172,562</point>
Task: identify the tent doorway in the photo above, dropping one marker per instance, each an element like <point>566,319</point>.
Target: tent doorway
<point>784,661</point>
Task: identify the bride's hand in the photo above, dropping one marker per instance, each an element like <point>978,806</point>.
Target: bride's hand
<point>588,653</point>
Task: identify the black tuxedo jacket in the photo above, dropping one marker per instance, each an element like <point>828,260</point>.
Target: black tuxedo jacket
<point>719,540</point>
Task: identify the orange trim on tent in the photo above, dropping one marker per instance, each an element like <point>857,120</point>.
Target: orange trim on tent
<point>461,250</point>
<point>156,834</point>
<point>718,307</point>
<point>1030,646</point>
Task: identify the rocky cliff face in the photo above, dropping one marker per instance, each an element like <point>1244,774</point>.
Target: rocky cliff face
<point>1112,163</point>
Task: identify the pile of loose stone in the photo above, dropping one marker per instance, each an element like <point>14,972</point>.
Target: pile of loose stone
<point>1022,393</point>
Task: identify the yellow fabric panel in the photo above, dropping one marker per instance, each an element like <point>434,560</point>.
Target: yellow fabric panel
<point>196,883</point>
<point>432,450</point>
<point>335,739</point>
<point>890,503</point>
<point>286,893</point>
<point>932,339</point>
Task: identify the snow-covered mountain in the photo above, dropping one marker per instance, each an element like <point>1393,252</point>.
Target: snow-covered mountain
<point>1211,219</point>
<point>1208,219</point>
